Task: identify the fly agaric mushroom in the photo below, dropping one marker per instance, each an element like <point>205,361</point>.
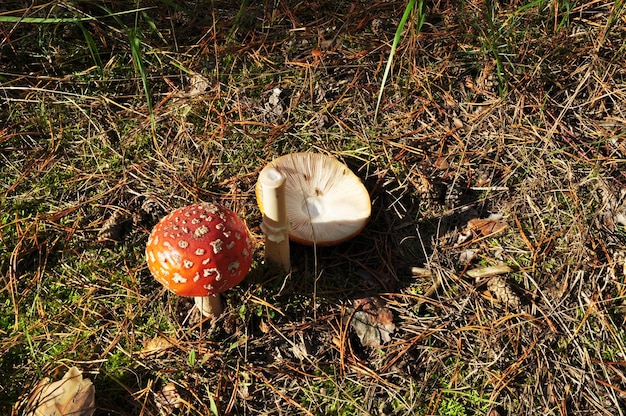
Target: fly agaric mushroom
<point>326,202</point>
<point>200,250</point>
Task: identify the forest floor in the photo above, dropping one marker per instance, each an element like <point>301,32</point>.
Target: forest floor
<point>489,280</point>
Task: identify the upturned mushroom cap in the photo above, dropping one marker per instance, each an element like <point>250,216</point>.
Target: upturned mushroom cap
<point>326,202</point>
<point>199,250</point>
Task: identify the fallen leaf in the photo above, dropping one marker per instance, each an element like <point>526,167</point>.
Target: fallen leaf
<point>167,399</point>
<point>372,321</point>
<point>70,396</point>
<point>482,228</point>
<point>466,257</point>
<point>156,345</point>
<point>198,85</point>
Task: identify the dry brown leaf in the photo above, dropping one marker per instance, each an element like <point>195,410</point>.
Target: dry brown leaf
<point>486,226</point>
<point>372,321</point>
<point>198,85</point>
<point>156,345</point>
<point>72,395</point>
<point>482,228</point>
<point>167,399</point>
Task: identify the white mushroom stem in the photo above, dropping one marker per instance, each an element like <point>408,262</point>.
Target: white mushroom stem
<point>210,305</point>
<point>275,224</point>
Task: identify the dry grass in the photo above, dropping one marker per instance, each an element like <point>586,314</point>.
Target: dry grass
<point>514,109</point>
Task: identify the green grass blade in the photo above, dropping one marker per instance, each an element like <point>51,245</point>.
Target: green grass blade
<point>91,45</point>
<point>134,40</point>
<point>407,12</point>
<point>240,15</point>
<point>135,47</point>
<point>56,20</point>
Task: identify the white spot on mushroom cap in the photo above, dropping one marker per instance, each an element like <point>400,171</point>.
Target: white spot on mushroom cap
<point>201,231</point>
<point>177,278</point>
<point>161,257</point>
<point>183,244</point>
<point>217,246</point>
<point>212,271</point>
<point>233,267</point>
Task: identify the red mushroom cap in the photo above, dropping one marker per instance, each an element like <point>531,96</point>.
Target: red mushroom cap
<point>199,250</point>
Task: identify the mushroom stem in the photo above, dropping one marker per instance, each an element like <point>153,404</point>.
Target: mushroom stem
<point>275,224</point>
<point>210,305</point>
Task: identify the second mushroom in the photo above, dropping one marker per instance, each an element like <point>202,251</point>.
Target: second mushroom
<point>326,203</point>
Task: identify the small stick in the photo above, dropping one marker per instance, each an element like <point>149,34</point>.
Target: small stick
<point>275,224</point>
<point>480,272</point>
